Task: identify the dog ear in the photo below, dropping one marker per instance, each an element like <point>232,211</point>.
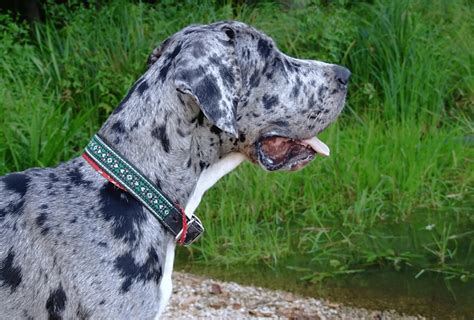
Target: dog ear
<point>156,53</point>
<point>208,72</point>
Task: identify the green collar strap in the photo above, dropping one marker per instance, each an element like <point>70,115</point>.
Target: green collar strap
<point>115,168</point>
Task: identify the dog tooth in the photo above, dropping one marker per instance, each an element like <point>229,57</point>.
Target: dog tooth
<point>318,146</point>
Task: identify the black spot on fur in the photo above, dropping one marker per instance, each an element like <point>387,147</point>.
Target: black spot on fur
<point>53,178</point>
<point>142,87</point>
<point>132,272</point>
<point>175,53</point>
<point>135,125</point>
<point>227,75</point>
<point>160,134</point>
<point>10,276</point>
<point>102,244</point>
<point>296,89</point>
<point>168,62</point>
<point>254,80</point>
<point>269,101</point>
<point>56,303</point>
<point>263,48</point>
<point>269,75</point>
<point>40,221</point>
<point>125,213</point>
<point>242,137</point>
<point>216,130</point>
<point>203,165</point>
<point>208,94</point>
<point>17,182</point>
<point>118,127</point>
<point>76,178</point>
<point>14,207</point>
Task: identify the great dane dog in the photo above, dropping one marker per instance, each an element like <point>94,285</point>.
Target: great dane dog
<point>75,246</point>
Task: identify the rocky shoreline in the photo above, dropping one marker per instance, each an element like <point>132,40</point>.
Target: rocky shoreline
<point>197,297</point>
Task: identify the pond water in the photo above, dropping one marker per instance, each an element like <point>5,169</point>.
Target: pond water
<point>429,295</point>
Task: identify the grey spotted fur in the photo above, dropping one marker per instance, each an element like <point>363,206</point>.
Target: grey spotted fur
<point>73,246</point>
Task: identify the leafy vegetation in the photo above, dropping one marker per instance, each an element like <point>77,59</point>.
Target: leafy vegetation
<point>397,191</point>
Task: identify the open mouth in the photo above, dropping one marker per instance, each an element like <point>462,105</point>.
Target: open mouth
<point>283,153</point>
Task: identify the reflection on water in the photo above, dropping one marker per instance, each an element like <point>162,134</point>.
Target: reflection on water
<point>429,296</point>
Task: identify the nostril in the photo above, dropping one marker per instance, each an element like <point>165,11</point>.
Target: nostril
<point>342,74</point>
<point>341,81</point>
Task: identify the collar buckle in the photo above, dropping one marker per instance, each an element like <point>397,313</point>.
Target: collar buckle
<point>193,232</point>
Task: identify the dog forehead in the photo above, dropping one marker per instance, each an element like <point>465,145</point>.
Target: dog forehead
<point>247,35</point>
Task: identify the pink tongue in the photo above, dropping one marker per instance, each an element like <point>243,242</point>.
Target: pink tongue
<point>318,146</point>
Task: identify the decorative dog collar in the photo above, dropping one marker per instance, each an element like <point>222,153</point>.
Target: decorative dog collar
<point>115,168</point>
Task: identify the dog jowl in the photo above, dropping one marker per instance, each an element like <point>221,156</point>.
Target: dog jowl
<point>73,245</point>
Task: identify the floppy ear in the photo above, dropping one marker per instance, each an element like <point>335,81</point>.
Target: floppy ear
<point>156,53</point>
<point>208,72</point>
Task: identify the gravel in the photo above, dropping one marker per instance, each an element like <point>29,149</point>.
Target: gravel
<point>196,297</point>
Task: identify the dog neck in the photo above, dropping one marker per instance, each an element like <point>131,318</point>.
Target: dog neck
<point>174,147</point>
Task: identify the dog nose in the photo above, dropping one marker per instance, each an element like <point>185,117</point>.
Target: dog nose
<point>342,74</point>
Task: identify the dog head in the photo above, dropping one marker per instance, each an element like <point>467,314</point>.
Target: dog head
<point>258,100</point>
<point>273,105</point>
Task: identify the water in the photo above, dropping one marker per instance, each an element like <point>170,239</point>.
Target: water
<point>430,295</point>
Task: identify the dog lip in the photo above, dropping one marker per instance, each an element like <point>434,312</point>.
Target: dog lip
<point>279,152</point>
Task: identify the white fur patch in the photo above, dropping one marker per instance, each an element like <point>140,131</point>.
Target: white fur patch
<point>166,285</point>
<point>210,176</point>
<point>206,180</point>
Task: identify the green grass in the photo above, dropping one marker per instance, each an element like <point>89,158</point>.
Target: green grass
<point>398,189</point>
<point>384,198</point>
